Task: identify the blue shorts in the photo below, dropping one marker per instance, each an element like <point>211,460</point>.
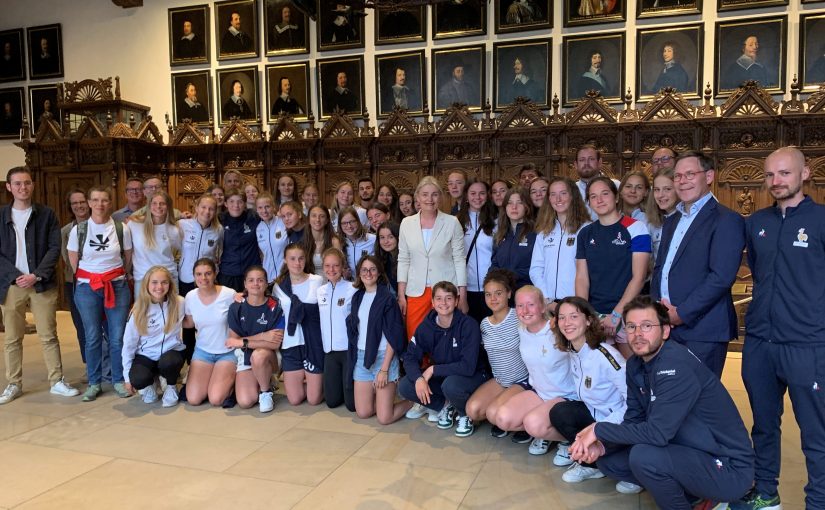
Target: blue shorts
<point>295,358</point>
<point>208,357</point>
<point>361,374</point>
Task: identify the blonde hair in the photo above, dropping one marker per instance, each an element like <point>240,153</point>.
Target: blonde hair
<point>215,224</point>
<point>144,300</point>
<point>428,180</point>
<point>655,216</point>
<point>149,224</point>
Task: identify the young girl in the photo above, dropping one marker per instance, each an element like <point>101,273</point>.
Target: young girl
<point>515,236</point>
<point>334,303</point>
<point>219,194</point>
<point>660,205</point>
<point>406,203</point>
<point>388,196</point>
<point>212,367</point>
<point>538,192</point>
<point>302,353</point>
<point>386,249</point>
<point>292,214</point>
<point>251,191</point>
<point>152,343</point>
<point>377,213</point>
<point>310,196</point>
<point>155,238</point>
<point>376,340</point>
<point>320,237</point>
<point>240,248</point>
<point>256,330</point>
<point>344,197</point>
<point>285,189</point>
<point>498,190</point>
<point>358,242</point>
<point>633,191</point>
<point>456,181</point>
<point>271,234</point>
<point>499,336</point>
<point>478,219</point>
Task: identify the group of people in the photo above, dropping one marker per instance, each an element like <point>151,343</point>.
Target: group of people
<point>527,306</point>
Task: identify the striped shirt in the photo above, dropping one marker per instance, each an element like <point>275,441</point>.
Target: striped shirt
<point>501,341</point>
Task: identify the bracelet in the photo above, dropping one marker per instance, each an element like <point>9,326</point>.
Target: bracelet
<point>421,377</point>
<point>385,371</point>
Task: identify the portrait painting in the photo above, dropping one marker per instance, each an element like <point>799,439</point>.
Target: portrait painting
<point>192,97</point>
<point>458,77</point>
<point>286,28</point>
<point>339,26</point>
<point>42,102</point>
<point>459,18</point>
<point>287,90</point>
<point>189,35</point>
<point>669,57</point>
<point>659,8</point>
<point>399,24</point>
<point>238,94</point>
<point>236,29</point>
<point>401,82</point>
<point>45,51</point>
<point>12,64</point>
<point>589,12</point>
<point>521,68</point>
<point>523,15</point>
<point>735,5</point>
<point>341,86</point>
<point>812,50</point>
<point>750,50</point>
<point>593,62</point>
<point>11,112</point>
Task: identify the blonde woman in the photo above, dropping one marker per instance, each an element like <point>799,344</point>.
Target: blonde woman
<point>155,238</point>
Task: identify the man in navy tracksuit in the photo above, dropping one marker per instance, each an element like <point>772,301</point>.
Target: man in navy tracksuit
<point>785,339</point>
<point>682,436</point>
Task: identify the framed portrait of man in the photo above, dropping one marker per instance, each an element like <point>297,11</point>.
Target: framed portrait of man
<point>11,112</point>
<point>593,62</point>
<point>192,97</point>
<point>458,77</point>
<point>238,94</point>
<point>735,5</point>
<point>812,50</point>
<point>189,35</point>
<point>459,18</point>
<point>752,49</point>
<point>669,57</point>
<point>400,24</point>
<point>401,82</point>
<point>341,86</point>
<point>523,15</point>
<point>287,90</point>
<point>659,8</point>
<point>589,12</point>
<point>12,64</point>
<point>43,100</point>
<point>45,51</point>
<point>339,26</point>
<point>521,69</point>
<point>286,28</point>
<point>236,29</point>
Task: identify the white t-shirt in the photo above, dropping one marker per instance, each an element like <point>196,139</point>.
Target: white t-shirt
<point>101,251</point>
<point>167,240</point>
<point>548,367</point>
<point>210,320</point>
<point>307,291</point>
<point>364,320</point>
<point>20,217</point>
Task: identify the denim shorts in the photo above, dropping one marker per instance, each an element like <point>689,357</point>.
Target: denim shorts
<point>362,374</point>
<point>208,357</point>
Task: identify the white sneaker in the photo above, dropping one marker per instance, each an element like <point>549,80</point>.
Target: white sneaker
<point>465,426</point>
<point>432,416</point>
<point>538,446</point>
<point>562,457</point>
<point>446,417</point>
<point>161,383</point>
<point>64,389</point>
<point>170,396</point>
<point>11,392</point>
<point>149,395</point>
<point>578,473</point>
<point>629,488</point>
<point>416,412</point>
<point>265,402</point>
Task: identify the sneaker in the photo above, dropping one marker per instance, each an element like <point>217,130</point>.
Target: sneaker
<point>562,457</point>
<point>265,402</point>
<point>446,417</point>
<point>91,393</point>
<point>432,415</point>
<point>706,504</point>
<point>11,392</point>
<point>170,396</point>
<point>229,402</point>
<point>64,389</point>
<point>497,432</point>
<point>149,394</point>
<point>416,412</point>
<point>465,427</point>
<point>628,488</point>
<point>753,500</point>
<point>120,389</point>
<point>578,473</point>
<point>538,446</point>
<point>182,393</point>
<point>521,437</point>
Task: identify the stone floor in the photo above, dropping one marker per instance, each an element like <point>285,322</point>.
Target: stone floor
<point>122,454</point>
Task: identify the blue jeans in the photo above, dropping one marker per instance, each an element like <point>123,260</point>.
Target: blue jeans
<point>90,304</point>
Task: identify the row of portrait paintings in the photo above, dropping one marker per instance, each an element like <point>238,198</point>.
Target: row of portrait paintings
<point>45,51</point>
<point>42,100</point>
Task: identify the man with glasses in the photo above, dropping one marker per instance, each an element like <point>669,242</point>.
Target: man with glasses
<point>682,437</point>
<point>662,159</point>
<point>151,187</point>
<point>699,256</point>
<point>134,199</point>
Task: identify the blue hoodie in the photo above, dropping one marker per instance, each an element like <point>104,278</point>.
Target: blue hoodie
<point>240,243</point>
<point>453,350</point>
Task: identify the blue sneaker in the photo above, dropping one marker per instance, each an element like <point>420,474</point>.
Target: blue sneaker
<point>753,500</point>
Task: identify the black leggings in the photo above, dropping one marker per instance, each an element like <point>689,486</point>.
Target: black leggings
<point>569,418</point>
<point>338,387</point>
<point>144,370</point>
<point>188,333</point>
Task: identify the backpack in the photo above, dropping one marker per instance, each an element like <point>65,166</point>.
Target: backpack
<point>83,230</point>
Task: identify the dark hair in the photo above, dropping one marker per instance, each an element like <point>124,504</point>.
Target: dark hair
<point>673,45</point>
<point>18,170</point>
<point>150,177</point>
<point>69,196</point>
<point>395,211</point>
<point>282,78</point>
<point>577,215</point>
<point>627,176</point>
<point>528,223</point>
<point>309,240</point>
<point>254,267</point>
<point>705,162</point>
<point>528,166</point>
<point>446,287</point>
<point>381,207</point>
<point>643,303</point>
<point>360,232</point>
<point>134,179</point>
<point>607,181</point>
<point>382,274</point>
<point>366,179</point>
<point>204,261</point>
<point>486,216</point>
<point>309,267</point>
<point>212,187</point>
<point>232,85</point>
<point>278,197</point>
<point>505,277</point>
<point>593,334</point>
<point>392,227</point>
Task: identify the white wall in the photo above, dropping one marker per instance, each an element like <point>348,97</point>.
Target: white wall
<point>102,40</point>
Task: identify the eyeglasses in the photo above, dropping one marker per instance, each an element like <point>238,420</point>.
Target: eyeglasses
<point>687,176</point>
<point>349,223</point>
<point>82,202</point>
<point>662,160</point>
<point>645,327</point>
<point>369,270</point>
<point>152,187</point>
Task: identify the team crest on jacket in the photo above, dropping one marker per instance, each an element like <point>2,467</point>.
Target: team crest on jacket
<point>571,241</point>
<point>246,229</point>
<point>762,233</point>
<point>801,239</point>
<point>210,242</point>
<point>262,320</point>
<point>341,301</point>
<point>588,382</point>
<point>619,241</point>
<point>278,234</point>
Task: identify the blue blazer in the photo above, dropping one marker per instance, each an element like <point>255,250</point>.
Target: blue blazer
<point>702,273</point>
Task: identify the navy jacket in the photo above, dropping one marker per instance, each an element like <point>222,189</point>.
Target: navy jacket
<point>787,259</point>
<point>675,399</point>
<point>453,350</point>
<point>702,273</point>
<point>42,248</point>
<point>308,315</point>
<point>514,255</point>
<point>384,319</point>
<point>240,243</point>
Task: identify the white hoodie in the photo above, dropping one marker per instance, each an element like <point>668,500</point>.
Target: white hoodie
<point>334,303</point>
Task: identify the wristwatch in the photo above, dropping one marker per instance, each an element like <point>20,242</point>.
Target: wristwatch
<point>246,343</point>
<point>38,279</point>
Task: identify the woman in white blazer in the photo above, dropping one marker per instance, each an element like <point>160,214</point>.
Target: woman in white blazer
<point>430,250</point>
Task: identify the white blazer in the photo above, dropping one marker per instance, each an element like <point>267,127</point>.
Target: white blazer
<point>444,260</point>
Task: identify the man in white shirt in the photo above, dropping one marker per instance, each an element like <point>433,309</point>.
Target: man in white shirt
<point>589,166</point>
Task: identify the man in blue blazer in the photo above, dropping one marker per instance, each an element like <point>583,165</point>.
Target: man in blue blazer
<point>699,256</point>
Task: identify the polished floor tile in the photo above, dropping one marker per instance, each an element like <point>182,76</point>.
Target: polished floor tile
<point>13,424</point>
